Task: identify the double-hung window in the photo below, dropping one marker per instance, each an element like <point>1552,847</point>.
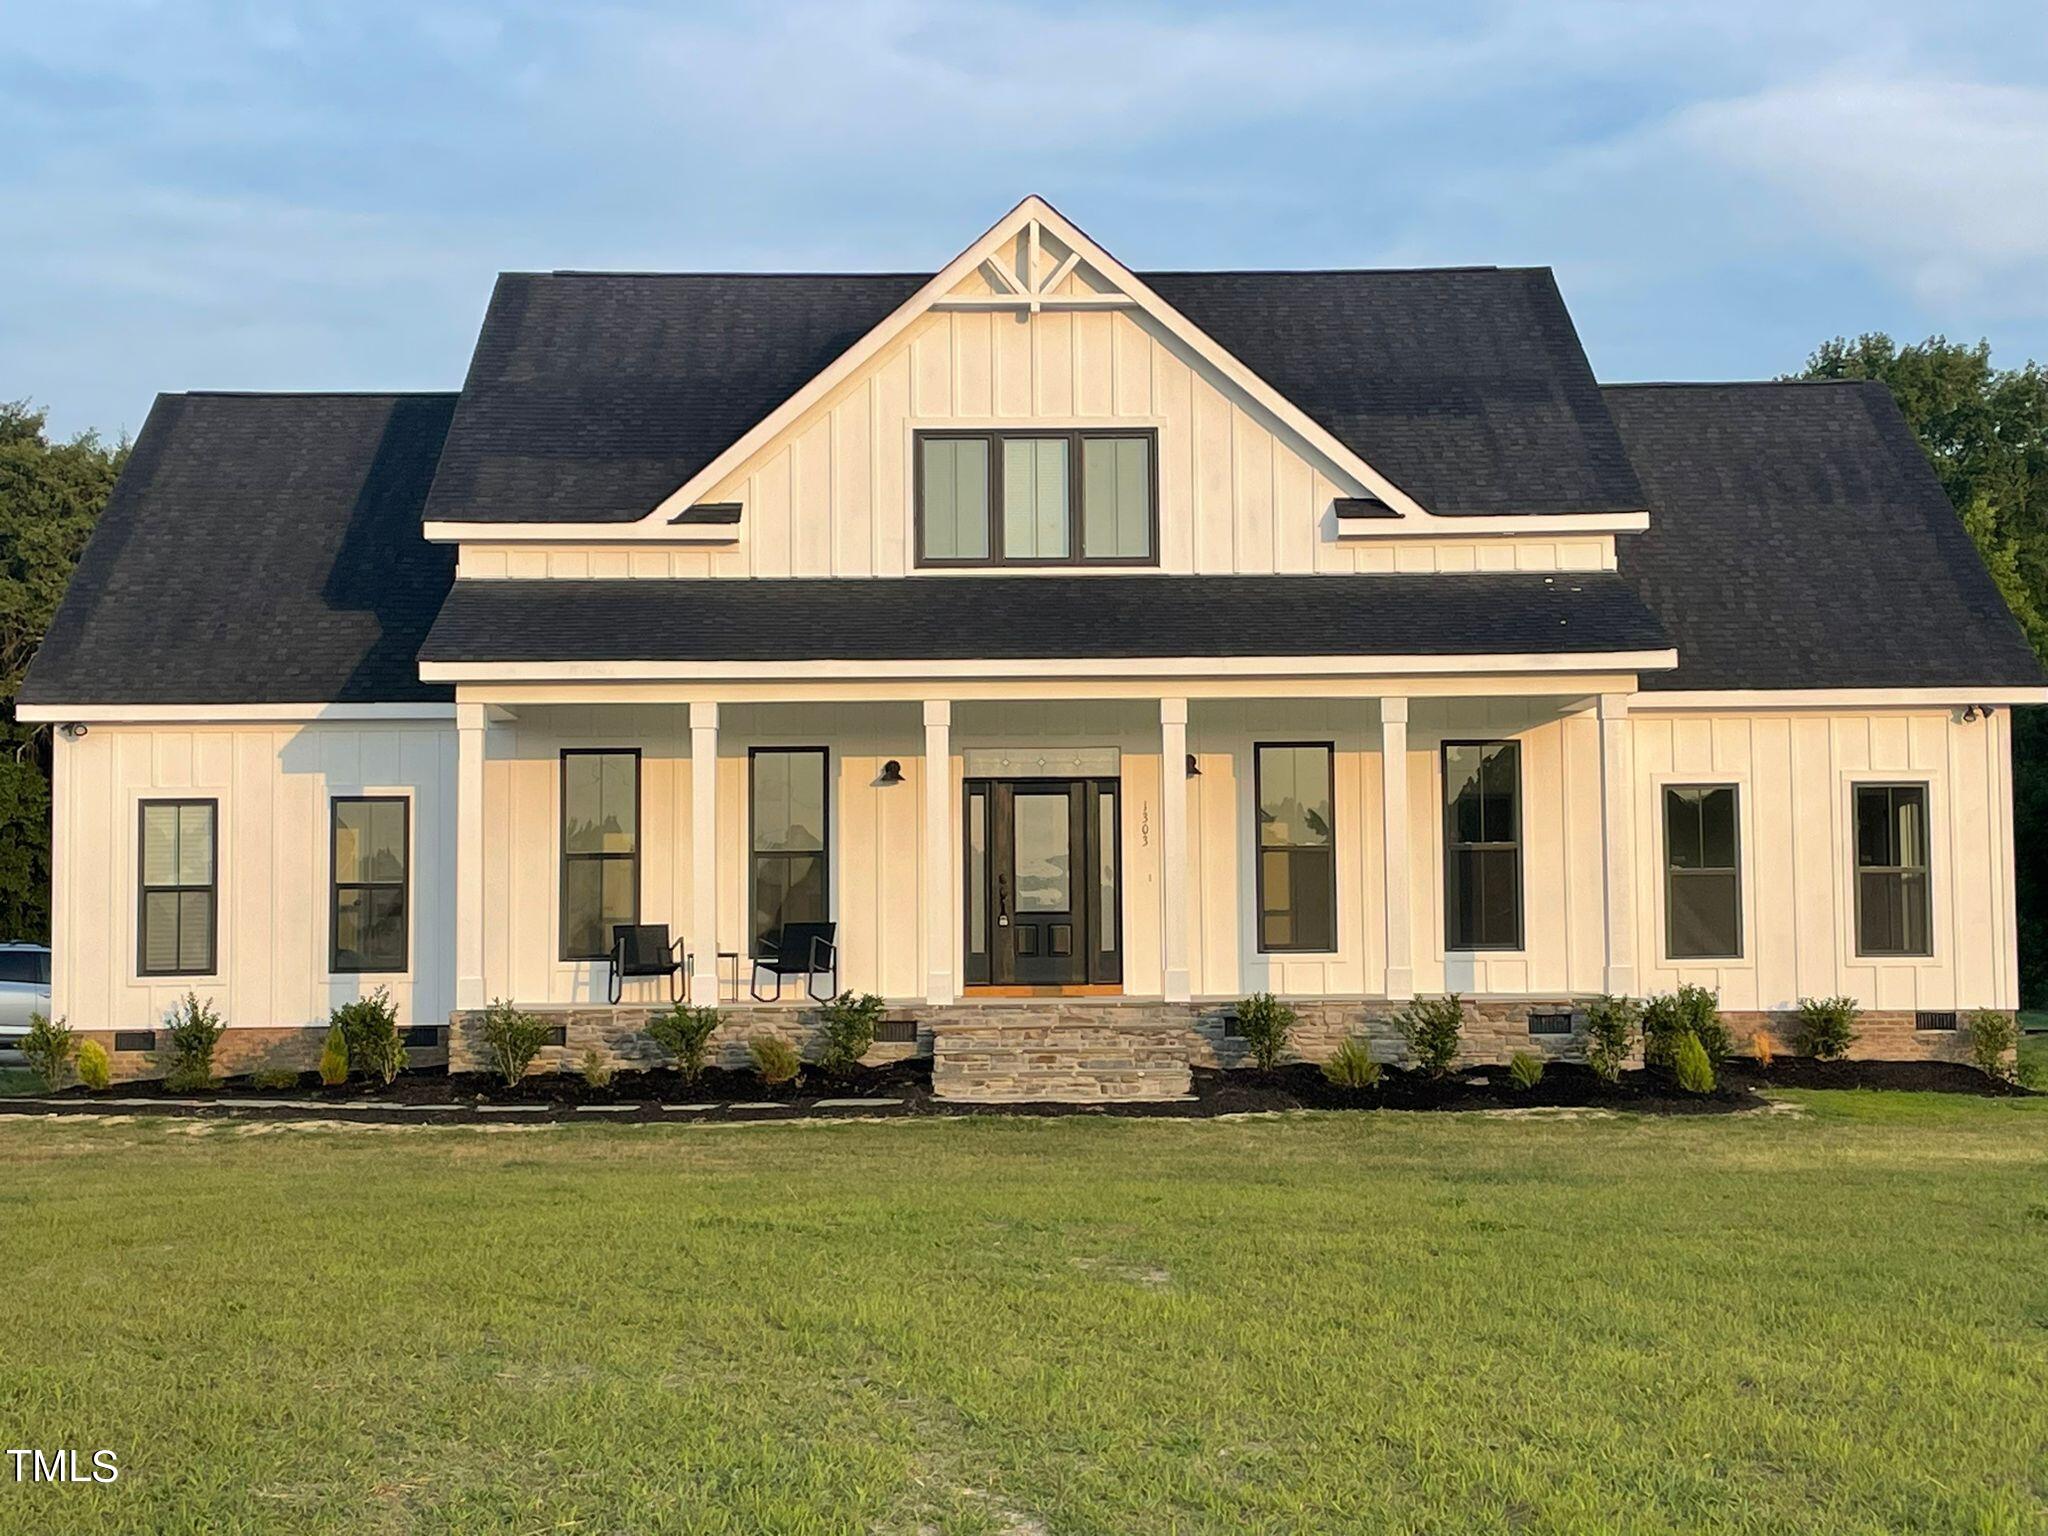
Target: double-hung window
<point>1893,911</point>
<point>1043,497</point>
<point>368,853</point>
<point>1482,845</point>
<point>788,870</point>
<point>1702,873</point>
<point>1297,871</point>
<point>600,848</point>
<point>180,899</point>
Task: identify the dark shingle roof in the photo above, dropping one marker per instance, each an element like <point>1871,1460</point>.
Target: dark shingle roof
<point>258,549</point>
<point>591,396</point>
<point>1799,539</point>
<point>1010,617</point>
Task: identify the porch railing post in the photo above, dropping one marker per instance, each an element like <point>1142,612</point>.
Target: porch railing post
<point>1398,880</point>
<point>1175,982</point>
<point>704,852</point>
<point>470,728</point>
<point>941,856</point>
<point>1617,830</point>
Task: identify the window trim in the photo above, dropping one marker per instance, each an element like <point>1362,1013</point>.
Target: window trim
<point>1329,750</point>
<point>1664,788</point>
<point>335,886</point>
<point>1857,869</point>
<point>1450,845</point>
<point>994,437</point>
<point>562,842</point>
<point>824,836</point>
<point>143,889</point>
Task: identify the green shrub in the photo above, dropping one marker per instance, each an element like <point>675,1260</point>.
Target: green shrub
<point>1267,1025</point>
<point>685,1033</point>
<point>1689,1060</point>
<point>1827,1027</point>
<point>1526,1069</point>
<point>596,1068</point>
<point>774,1058</point>
<point>1691,1011</point>
<point>1352,1066</point>
<point>512,1038</point>
<point>370,1026</point>
<point>1611,1026</point>
<point>847,1029</point>
<point>1994,1037</point>
<point>334,1057</point>
<point>2033,1074</point>
<point>94,1070</point>
<point>49,1048</point>
<point>195,1029</point>
<point>274,1079</point>
<point>1430,1026</point>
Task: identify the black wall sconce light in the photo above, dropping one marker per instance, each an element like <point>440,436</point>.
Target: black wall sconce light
<point>1978,711</point>
<point>1194,768</point>
<point>892,772</point>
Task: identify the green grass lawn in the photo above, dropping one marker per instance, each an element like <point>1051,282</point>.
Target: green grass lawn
<point>1393,1322</point>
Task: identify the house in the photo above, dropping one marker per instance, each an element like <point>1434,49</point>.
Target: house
<point>1091,647</point>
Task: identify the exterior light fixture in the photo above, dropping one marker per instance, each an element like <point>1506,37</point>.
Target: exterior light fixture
<point>1194,769</point>
<point>892,772</point>
<point>73,731</point>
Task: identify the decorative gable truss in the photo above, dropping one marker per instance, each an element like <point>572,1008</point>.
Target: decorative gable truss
<point>1032,325</point>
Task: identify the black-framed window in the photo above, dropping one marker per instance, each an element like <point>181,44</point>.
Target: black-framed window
<point>600,847</point>
<point>1894,903</point>
<point>1038,497</point>
<point>370,862</point>
<point>1482,845</point>
<point>179,909</point>
<point>1702,872</point>
<point>789,840</point>
<point>1293,787</point>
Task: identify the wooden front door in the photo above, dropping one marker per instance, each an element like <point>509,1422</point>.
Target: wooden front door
<point>1041,883</point>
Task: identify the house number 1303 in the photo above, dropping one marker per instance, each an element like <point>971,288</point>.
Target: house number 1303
<point>1145,824</point>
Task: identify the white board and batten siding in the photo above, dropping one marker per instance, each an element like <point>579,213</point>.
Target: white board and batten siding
<point>1238,492</point>
<point>272,785</point>
<point>1793,769</point>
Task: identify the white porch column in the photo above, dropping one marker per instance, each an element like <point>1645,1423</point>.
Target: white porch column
<point>1400,885</point>
<point>1173,849</point>
<point>941,856</point>
<point>704,852</point>
<point>470,730</point>
<point>1619,841</point>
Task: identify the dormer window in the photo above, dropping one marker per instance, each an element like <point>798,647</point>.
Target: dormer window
<point>1037,498</point>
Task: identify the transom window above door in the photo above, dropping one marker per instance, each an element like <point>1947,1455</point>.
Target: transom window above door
<point>1037,498</point>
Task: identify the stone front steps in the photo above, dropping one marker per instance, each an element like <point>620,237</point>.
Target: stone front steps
<point>1026,1057</point>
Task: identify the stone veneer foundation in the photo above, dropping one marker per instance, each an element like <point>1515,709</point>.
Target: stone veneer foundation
<point>1073,1049</point>
<point>241,1050</point>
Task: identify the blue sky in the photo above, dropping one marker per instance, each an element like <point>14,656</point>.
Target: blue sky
<point>279,196</point>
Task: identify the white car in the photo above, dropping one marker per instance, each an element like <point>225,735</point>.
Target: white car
<point>24,990</point>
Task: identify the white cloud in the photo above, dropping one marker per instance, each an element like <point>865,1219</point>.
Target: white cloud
<point>1943,182</point>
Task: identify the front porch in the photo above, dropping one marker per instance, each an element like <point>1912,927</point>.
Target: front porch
<point>1047,854</point>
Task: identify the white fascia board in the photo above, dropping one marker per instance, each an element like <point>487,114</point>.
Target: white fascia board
<point>1834,698</point>
<point>225,714</point>
<point>1533,524</point>
<point>1115,667</point>
<point>724,536</point>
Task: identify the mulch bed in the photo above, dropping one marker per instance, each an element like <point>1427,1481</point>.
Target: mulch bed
<point>431,1097</point>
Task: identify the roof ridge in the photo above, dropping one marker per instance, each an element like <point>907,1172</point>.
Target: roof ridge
<point>1729,383</point>
<point>814,275</point>
<point>312,394</point>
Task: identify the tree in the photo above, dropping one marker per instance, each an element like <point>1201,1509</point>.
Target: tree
<point>51,494</point>
<point>1986,431</point>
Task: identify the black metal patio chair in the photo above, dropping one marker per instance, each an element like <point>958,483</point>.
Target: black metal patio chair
<point>643,949</point>
<point>809,950</point>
